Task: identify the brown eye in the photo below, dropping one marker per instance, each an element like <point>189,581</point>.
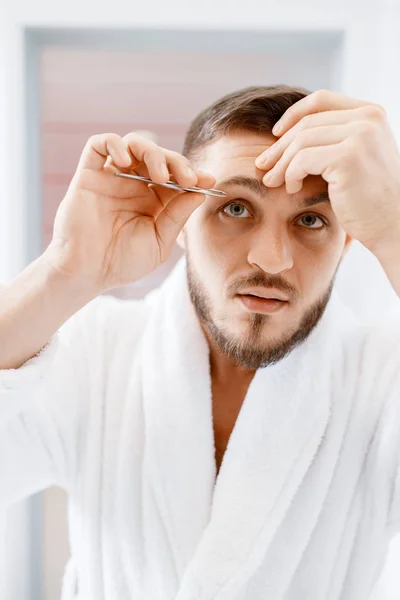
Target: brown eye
<point>311,222</point>
<point>235,209</point>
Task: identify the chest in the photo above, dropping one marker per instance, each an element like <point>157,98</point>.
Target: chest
<point>227,401</point>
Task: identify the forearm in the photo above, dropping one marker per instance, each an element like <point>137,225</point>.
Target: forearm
<point>389,258</point>
<point>33,307</point>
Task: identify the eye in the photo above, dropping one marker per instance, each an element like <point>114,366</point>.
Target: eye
<point>236,209</point>
<point>312,222</point>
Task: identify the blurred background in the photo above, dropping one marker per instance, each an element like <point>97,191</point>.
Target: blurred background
<point>68,71</point>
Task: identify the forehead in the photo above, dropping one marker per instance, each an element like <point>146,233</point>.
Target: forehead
<point>235,154</point>
<point>237,151</point>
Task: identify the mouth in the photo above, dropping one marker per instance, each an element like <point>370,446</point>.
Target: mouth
<point>265,293</point>
<point>262,304</point>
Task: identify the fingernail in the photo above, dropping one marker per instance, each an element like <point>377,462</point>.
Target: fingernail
<point>262,159</point>
<point>277,127</point>
<point>268,178</point>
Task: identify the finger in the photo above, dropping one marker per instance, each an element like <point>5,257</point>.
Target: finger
<point>165,195</point>
<point>148,156</point>
<point>267,159</point>
<point>320,101</point>
<point>311,161</point>
<point>111,167</point>
<point>99,147</point>
<point>205,180</point>
<point>320,136</point>
<point>181,169</point>
<point>172,219</point>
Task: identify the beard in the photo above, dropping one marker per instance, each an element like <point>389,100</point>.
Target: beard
<point>250,351</point>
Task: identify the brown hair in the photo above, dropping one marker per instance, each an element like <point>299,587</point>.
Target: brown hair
<point>251,109</point>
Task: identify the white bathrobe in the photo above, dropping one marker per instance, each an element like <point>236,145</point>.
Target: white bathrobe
<point>118,411</point>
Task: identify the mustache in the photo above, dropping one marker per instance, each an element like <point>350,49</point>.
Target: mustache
<point>263,280</point>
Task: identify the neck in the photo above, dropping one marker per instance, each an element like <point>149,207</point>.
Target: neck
<point>223,368</point>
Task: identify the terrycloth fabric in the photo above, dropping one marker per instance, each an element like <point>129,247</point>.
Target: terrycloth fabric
<point>118,411</point>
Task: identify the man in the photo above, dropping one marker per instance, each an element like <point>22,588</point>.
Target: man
<point>131,405</point>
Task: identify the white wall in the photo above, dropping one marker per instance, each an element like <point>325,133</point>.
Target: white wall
<point>229,14</point>
<point>12,251</point>
<point>12,246</point>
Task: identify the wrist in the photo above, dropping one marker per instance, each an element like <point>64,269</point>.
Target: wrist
<point>388,255</point>
<point>387,249</point>
<point>78,289</point>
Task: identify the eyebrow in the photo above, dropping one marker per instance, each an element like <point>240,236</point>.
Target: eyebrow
<point>323,197</point>
<point>256,186</point>
<point>251,183</point>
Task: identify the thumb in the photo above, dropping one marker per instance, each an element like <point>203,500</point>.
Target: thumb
<point>173,217</point>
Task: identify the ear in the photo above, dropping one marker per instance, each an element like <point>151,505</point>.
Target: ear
<point>180,240</point>
<point>347,244</point>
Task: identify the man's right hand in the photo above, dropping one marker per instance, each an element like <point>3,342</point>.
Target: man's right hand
<point>110,231</point>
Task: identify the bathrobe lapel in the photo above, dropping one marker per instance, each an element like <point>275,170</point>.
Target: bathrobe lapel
<point>218,531</point>
<point>275,440</point>
<point>179,464</point>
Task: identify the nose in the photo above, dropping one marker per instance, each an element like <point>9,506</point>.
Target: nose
<point>271,250</point>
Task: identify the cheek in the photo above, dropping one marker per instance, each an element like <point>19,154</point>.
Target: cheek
<point>203,251</point>
<point>212,243</point>
<point>316,270</point>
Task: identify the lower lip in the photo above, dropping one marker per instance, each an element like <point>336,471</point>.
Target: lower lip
<point>262,305</point>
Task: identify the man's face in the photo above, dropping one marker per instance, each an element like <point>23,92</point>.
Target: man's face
<point>259,243</point>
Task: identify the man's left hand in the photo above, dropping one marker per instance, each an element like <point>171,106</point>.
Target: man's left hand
<point>349,143</point>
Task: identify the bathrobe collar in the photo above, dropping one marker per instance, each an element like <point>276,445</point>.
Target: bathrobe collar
<point>219,529</point>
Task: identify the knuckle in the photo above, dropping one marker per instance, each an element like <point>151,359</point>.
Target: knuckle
<point>351,150</point>
<point>105,137</point>
<point>180,158</point>
<point>131,137</point>
<point>320,97</point>
<point>293,168</point>
<point>173,153</point>
<point>112,137</point>
<point>296,161</point>
<point>363,128</point>
<point>302,155</point>
<point>302,139</point>
<point>382,110</point>
<point>306,122</point>
<point>154,153</point>
<point>135,139</point>
<point>375,112</point>
<point>96,137</point>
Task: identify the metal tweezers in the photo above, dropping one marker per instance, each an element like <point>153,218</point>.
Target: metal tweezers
<point>174,186</point>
